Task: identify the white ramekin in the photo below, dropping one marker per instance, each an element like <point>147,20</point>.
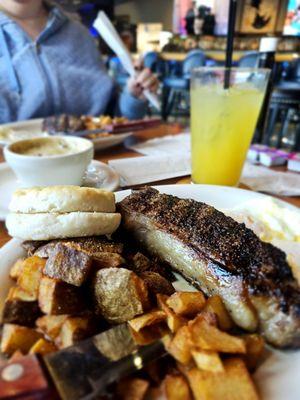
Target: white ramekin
<point>67,169</point>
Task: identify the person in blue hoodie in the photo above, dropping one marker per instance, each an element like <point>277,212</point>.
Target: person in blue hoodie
<point>49,64</point>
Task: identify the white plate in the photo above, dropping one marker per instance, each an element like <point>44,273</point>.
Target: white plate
<point>99,175</point>
<point>23,129</point>
<point>278,377</point>
<point>110,141</point>
<point>33,128</point>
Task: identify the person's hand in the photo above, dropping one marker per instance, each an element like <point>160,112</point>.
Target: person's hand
<point>144,79</point>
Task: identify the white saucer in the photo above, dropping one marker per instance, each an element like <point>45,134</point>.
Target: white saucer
<point>98,175</point>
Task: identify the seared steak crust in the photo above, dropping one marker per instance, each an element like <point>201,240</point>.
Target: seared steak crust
<point>220,240</point>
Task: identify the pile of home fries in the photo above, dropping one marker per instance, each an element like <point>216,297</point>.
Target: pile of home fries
<point>208,358</point>
<point>209,361</point>
<point>25,328</point>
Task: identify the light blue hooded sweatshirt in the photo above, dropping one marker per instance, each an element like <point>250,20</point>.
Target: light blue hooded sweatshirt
<point>60,72</point>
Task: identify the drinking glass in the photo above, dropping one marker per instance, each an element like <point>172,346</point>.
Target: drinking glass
<point>223,121</point>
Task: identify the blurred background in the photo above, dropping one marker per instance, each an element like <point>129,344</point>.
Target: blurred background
<point>174,36</point>
<point>203,20</point>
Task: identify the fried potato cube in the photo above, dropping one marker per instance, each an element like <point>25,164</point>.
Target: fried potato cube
<point>68,264</point>
<point>183,368</point>
<point>208,317</point>
<point>208,337</point>
<point>151,318</point>
<point>119,294</point>
<point>20,307</point>
<point>233,384</point>
<point>17,293</point>
<point>243,387</point>
<point>108,260</point>
<point>181,346</point>
<point>157,283</point>
<point>199,381</point>
<point>73,330</point>
<point>140,263</point>
<point>208,360</point>
<point>187,304</point>
<point>166,340</point>
<point>255,346</point>
<point>17,269</point>
<point>43,346</point>
<point>155,393</point>
<point>148,334</point>
<point>31,246</point>
<point>176,388</point>
<point>51,325</point>
<point>132,389</point>
<point>31,275</point>
<point>215,305</point>
<point>57,297</point>
<point>174,321</point>
<point>15,337</point>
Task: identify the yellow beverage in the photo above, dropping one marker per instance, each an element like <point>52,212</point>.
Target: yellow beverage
<point>222,126</point>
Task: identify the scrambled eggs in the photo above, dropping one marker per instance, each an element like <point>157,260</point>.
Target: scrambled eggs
<point>269,220</point>
<point>273,223</point>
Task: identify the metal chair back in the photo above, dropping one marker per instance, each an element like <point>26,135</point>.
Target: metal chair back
<point>249,60</point>
<point>194,59</point>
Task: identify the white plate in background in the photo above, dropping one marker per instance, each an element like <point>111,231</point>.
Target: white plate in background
<point>33,128</point>
<point>99,175</point>
<point>105,142</point>
<point>22,130</point>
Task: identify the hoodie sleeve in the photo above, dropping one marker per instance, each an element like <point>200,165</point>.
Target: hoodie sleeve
<point>132,107</point>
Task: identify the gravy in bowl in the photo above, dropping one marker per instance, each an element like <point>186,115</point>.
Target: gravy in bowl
<point>45,147</point>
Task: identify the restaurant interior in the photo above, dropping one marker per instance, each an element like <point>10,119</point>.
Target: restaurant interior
<point>149,199</point>
<point>175,36</point>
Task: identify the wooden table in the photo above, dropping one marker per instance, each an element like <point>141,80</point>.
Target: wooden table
<point>122,152</point>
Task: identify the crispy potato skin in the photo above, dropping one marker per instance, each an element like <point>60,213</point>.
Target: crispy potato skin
<point>157,283</point>
<point>176,388</point>
<point>75,329</point>
<point>57,297</point>
<point>20,312</point>
<point>16,269</point>
<point>119,294</point>
<point>187,304</point>
<point>51,325</point>
<point>31,274</point>
<point>70,265</point>
<point>232,384</point>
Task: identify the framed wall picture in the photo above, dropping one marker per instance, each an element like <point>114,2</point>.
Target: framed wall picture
<point>292,18</point>
<point>259,16</point>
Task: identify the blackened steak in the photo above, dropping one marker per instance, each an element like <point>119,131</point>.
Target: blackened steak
<point>220,256</point>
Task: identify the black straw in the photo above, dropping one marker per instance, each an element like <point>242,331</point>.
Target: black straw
<point>230,39</point>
